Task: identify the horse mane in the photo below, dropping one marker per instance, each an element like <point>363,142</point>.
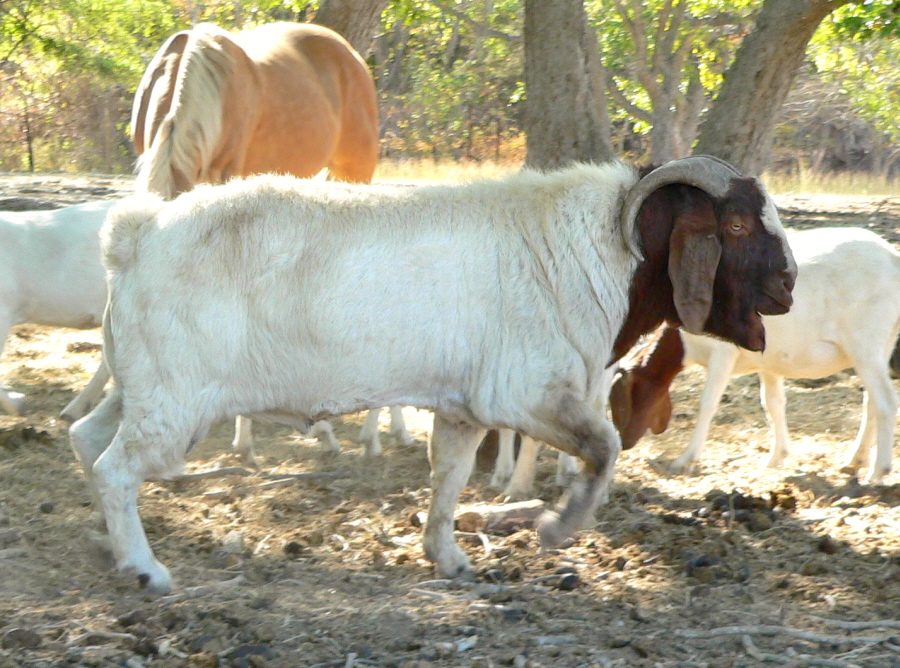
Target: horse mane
<point>190,133</point>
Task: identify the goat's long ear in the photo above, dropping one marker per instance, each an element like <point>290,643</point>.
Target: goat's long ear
<point>620,399</point>
<point>694,253</point>
<point>662,412</point>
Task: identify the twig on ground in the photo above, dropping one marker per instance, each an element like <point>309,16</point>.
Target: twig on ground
<point>202,590</point>
<point>314,475</point>
<point>858,626</point>
<point>99,637</point>
<point>214,473</point>
<point>795,660</point>
<point>768,630</point>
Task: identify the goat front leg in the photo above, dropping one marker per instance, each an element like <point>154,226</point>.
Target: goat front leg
<point>12,402</point>
<point>579,431</point>
<point>398,427</point>
<point>521,484</point>
<point>242,445</point>
<point>718,373</point>
<point>771,395</point>
<point>451,452</point>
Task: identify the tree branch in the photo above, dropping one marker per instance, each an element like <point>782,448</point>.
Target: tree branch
<point>619,98</point>
<point>480,28</point>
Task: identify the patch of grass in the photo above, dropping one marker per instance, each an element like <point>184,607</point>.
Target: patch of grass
<point>814,183</point>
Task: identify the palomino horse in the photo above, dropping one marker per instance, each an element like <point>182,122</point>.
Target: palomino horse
<point>293,98</point>
<point>284,97</point>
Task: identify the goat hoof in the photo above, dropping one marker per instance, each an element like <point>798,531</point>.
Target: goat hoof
<point>552,531</point>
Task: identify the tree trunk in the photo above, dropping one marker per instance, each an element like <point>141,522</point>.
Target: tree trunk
<point>565,111</point>
<point>357,20</point>
<point>739,125</point>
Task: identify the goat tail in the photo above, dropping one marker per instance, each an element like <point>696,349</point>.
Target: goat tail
<point>125,225</point>
<point>184,145</point>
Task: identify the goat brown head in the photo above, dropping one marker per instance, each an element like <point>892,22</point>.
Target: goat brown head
<point>714,253</point>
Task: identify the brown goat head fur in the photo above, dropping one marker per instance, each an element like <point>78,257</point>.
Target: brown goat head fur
<point>710,264</point>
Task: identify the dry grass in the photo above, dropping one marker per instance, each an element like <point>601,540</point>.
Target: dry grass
<point>812,183</point>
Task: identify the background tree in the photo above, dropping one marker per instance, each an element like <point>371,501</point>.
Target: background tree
<point>565,114</point>
<point>664,59</point>
<point>739,125</point>
<point>357,20</point>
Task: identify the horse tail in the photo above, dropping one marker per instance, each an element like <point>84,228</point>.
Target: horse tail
<point>183,146</point>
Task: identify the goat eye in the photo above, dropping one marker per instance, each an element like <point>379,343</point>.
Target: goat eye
<point>736,227</point>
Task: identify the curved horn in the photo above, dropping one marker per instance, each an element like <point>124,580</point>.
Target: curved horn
<point>712,175</point>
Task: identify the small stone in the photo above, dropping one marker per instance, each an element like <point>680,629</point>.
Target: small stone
<point>8,537</point>
<point>204,660</point>
<point>47,507</point>
<point>813,567</point>
<point>18,638</point>
<point>233,542</point>
<point>132,618</point>
<point>292,548</point>
<point>416,518</point>
<point>827,544</point>
<point>759,521</point>
<point>568,582</point>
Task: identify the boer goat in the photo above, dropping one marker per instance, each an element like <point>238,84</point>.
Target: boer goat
<point>846,313</point>
<point>283,97</point>
<point>51,272</point>
<point>495,304</point>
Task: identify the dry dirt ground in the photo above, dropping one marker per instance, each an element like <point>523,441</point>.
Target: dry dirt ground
<point>731,565</point>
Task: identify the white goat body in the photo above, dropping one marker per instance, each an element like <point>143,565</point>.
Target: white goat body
<point>52,274</point>
<point>846,313</point>
<point>495,304</point>
<point>273,296</point>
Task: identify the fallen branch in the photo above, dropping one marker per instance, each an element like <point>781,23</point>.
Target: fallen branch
<point>99,638</point>
<point>315,475</point>
<point>795,660</point>
<point>766,630</point>
<point>203,590</point>
<point>214,473</point>
<point>279,480</point>
<point>859,626</point>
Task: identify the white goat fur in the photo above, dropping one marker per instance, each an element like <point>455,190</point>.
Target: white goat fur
<point>52,273</point>
<point>494,304</point>
<point>846,313</point>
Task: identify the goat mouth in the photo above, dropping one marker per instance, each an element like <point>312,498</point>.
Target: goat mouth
<point>775,304</point>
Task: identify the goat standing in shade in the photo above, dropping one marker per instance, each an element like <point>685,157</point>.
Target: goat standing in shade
<point>272,296</point>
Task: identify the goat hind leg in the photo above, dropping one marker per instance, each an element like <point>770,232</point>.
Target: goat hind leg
<point>90,437</point>
<point>118,475</point>
<point>89,397</point>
